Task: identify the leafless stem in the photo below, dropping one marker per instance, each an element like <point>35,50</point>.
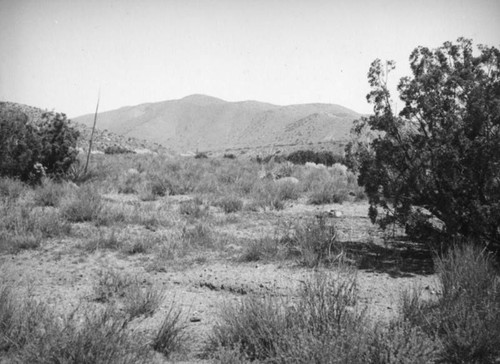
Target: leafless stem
<point>93,130</point>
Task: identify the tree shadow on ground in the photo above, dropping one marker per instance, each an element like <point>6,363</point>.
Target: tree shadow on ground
<point>398,257</point>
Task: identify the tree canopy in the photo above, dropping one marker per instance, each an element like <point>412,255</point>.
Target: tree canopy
<point>438,159</point>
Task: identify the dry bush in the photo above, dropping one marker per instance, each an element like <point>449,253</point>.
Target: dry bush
<point>321,326</point>
<point>102,242</point>
<point>198,235</point>
<point>23,226</point>
<point>31,332</point>
<point>194,209</point>
<point>171,336</point>
<point>466,317</point>
<point>312,241</point>
<point>48,193</point>
<point>85,204</point>
<point>260,249</point>
<point>11,189</point>
<point>230,204</point>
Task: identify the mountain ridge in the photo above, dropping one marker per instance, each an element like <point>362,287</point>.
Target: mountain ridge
<point>202,122</point>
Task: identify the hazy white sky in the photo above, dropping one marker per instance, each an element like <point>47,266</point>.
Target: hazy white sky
<point>55,54</point>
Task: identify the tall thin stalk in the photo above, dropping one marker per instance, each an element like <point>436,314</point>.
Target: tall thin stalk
<point>93,130</point>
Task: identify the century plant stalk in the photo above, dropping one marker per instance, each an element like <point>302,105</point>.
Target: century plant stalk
<point>93,130</point>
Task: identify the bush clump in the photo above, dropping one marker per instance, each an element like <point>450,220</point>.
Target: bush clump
<point>324,157</point>
<point>117,149</point>
<point>466,317</point>
<point>30,151</point>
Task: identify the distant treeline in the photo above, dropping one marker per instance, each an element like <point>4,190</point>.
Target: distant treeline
<point>303,156</point>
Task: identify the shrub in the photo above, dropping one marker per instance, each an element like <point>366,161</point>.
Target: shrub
<point>103,242</point>
<point>200,155</point>
<point>466,317</point>
<point>30,151</point>
<point>172,334</point>
<point>229,156</point>
<point>48,193</point>
<point>111,285</point>
<point>32,333</point>
<point>287,190</point>
<point>11,189</point>
<point>327,192</point>
<point>319,326</point>
<point>85,205</point>
<point>117,149</point>
<point>193,209</point>
<point>312,241</point>
<point>19,145</point>
<point>401,343</point>
<point>324,157</point>
<point>442,150</point>
<point>130,181</point>
<point>198,235</point>
<point>58,139</point>
<point>260,249</point>
<point>13,243</point>
<point>142,301</point>
<point>230,204</point>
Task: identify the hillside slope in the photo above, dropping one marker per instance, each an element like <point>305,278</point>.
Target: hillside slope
<point>200,122</point>
<point>102,139</point>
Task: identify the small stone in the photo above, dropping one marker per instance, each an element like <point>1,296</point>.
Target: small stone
<point>195,319</point>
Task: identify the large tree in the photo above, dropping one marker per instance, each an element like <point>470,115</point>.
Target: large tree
<point>439,158</point>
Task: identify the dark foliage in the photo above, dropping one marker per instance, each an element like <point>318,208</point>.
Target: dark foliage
<point>200,155</point>
<point>117,149</point>
<point>29,151</point>
<point>437,163</point>
<point>323,157</point>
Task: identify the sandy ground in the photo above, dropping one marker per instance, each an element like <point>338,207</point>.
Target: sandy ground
<point>64,276</point>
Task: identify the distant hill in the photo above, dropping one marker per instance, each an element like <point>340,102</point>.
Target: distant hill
<point>102,139</point>
<point>205,123</point>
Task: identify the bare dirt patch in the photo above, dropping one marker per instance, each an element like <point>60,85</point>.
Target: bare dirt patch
<point>201,281</point>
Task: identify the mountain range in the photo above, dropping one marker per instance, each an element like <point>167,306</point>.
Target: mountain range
<point>205,123</point>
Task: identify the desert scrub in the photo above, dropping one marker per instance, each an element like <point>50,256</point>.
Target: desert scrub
<point>85,204</point>
<point>23,226</point>
<point>311,241</point>
<point>198,235</point>
<point>171,336</point>
<point>11,189</point>
<point>320,325</point>
<point>48,193</point>
<point>142,301</point>
<point>104,241</point>
<point>230,204</point>
<point>194,209</point>
<point>129,181</point>
<point>401,342</point>
<point>143,244</point>
<point>30,332</point>
<point>287,189</point>
<point>328,192</point>
<point>260,249</point>
<point>466,317</point>
<point>266,195</point>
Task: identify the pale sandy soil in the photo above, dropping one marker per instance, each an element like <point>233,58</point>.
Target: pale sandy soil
<point>63,275</point>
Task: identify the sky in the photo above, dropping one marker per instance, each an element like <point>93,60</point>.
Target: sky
<point>58,54</point>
